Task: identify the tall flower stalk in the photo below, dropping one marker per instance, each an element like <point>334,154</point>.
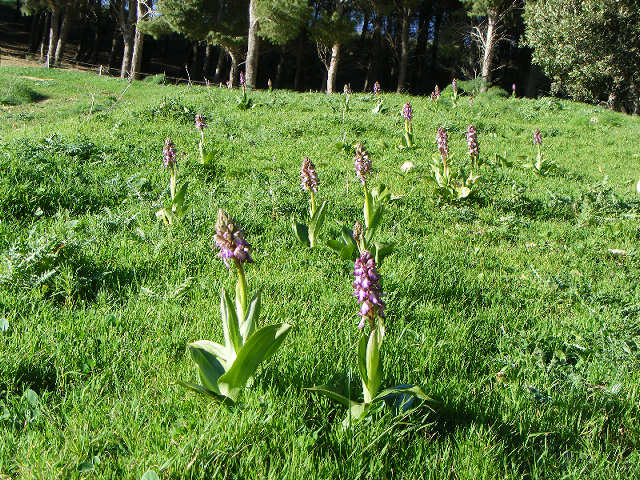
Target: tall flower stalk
<point>170,160</point>
<point>368,292</point>
<point>472,144</point>
<point>224,370</point>
<point>200,126</point>
<point>448,186</point>
<point>407,114</point>
<point>442,143</point>
<point>307,234</point>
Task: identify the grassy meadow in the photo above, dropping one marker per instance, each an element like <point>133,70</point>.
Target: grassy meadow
<point>517,309</point>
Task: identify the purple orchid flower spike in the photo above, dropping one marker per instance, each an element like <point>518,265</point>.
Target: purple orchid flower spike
<point>366,288</point>
<point>230,240</point>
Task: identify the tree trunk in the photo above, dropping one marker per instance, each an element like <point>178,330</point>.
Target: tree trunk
<point>194,67</point>
<point>436,43</point>
<point>333,68</point>
<point>374,53</point>
<point>124,68</point>
<point>138,43</point>
<point>36,32</point>
<point>219,65</point>
<point>233,71</point>
<point>114,47</point>
<point>95,45</point>
<point>404,51</point>
<point>206,65</point>
<point>421,45</point>
<point>489,49</point>
<point>45,32</point>
<point>299,55</point>
<point>62,38</point>
<point>253,47</point>
<point>53,35</point>
<point>279,68</point>
<point>127,37</point>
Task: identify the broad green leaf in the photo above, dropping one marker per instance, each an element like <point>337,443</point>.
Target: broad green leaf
<point>402,397</point>
<point>336,245</point>
<point>362,358</point>
<point>373,364</point>
<point>209,367</point>
<point>166,215</point>
<point>301,232</point>
<point>229,322</point>
<point>249,325</point>
<point>463,191</point>
<point>318,218</point>
<point>224,355</point>
<point>381,195</point>
<point>150,475</point>
<point>382,250</point>
<point>333,395</point>
<point>207,393</point>
<point>260,346</point>
<point>178,201</point>
<point>368,209</point>
<point>208,157</point>
<point>347,236</point>
<point>348,252</point>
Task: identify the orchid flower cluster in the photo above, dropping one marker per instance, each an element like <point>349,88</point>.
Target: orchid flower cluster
<point>377,92</point>
<point>407,133</point>
<point>244,102</point>
<point>308,234</point>
<point>368,292</point>
<point>171,213</point>
<point>347,98</point>
<point>435,95</point>
<point>541,165</point>
<point>454,89</point>
<point>447,186</point>
<point>362,237</point>
<point>224,370</point>
<point>513,91</point>
<point>201,124</point>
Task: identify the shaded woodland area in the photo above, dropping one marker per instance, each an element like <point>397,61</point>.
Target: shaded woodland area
<point>406,46</point>
<point>586,50</point>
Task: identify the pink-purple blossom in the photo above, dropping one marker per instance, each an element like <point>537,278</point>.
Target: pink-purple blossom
<point>200,123</point>
<point>472,141</point>
<point>407,112</point>
<point>376,88</point>
<point>366,288</point>
<point>169,155</point>
<point>443,144</point>
<point>230,240</point>
<point>308,175</point>
<point>362,163</point>
<point>537,138</point>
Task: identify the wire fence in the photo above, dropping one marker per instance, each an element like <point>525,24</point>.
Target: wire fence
<point>69,63</point>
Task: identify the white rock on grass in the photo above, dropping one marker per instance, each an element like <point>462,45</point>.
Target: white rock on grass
<point>407,167</point>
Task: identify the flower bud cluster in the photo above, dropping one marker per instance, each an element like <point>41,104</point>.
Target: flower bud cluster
<point>169,154</point>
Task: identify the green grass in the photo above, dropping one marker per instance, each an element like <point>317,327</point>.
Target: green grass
<point>19,92</point>
<point>508,308</point>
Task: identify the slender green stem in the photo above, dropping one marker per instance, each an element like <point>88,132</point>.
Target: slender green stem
<point>313,204</point>
<point>201,146</point>
<point>367,207</point>
<point>173,181</point>
<point>241,292</point>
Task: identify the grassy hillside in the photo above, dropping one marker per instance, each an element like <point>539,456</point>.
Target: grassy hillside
<point>518,308</point>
